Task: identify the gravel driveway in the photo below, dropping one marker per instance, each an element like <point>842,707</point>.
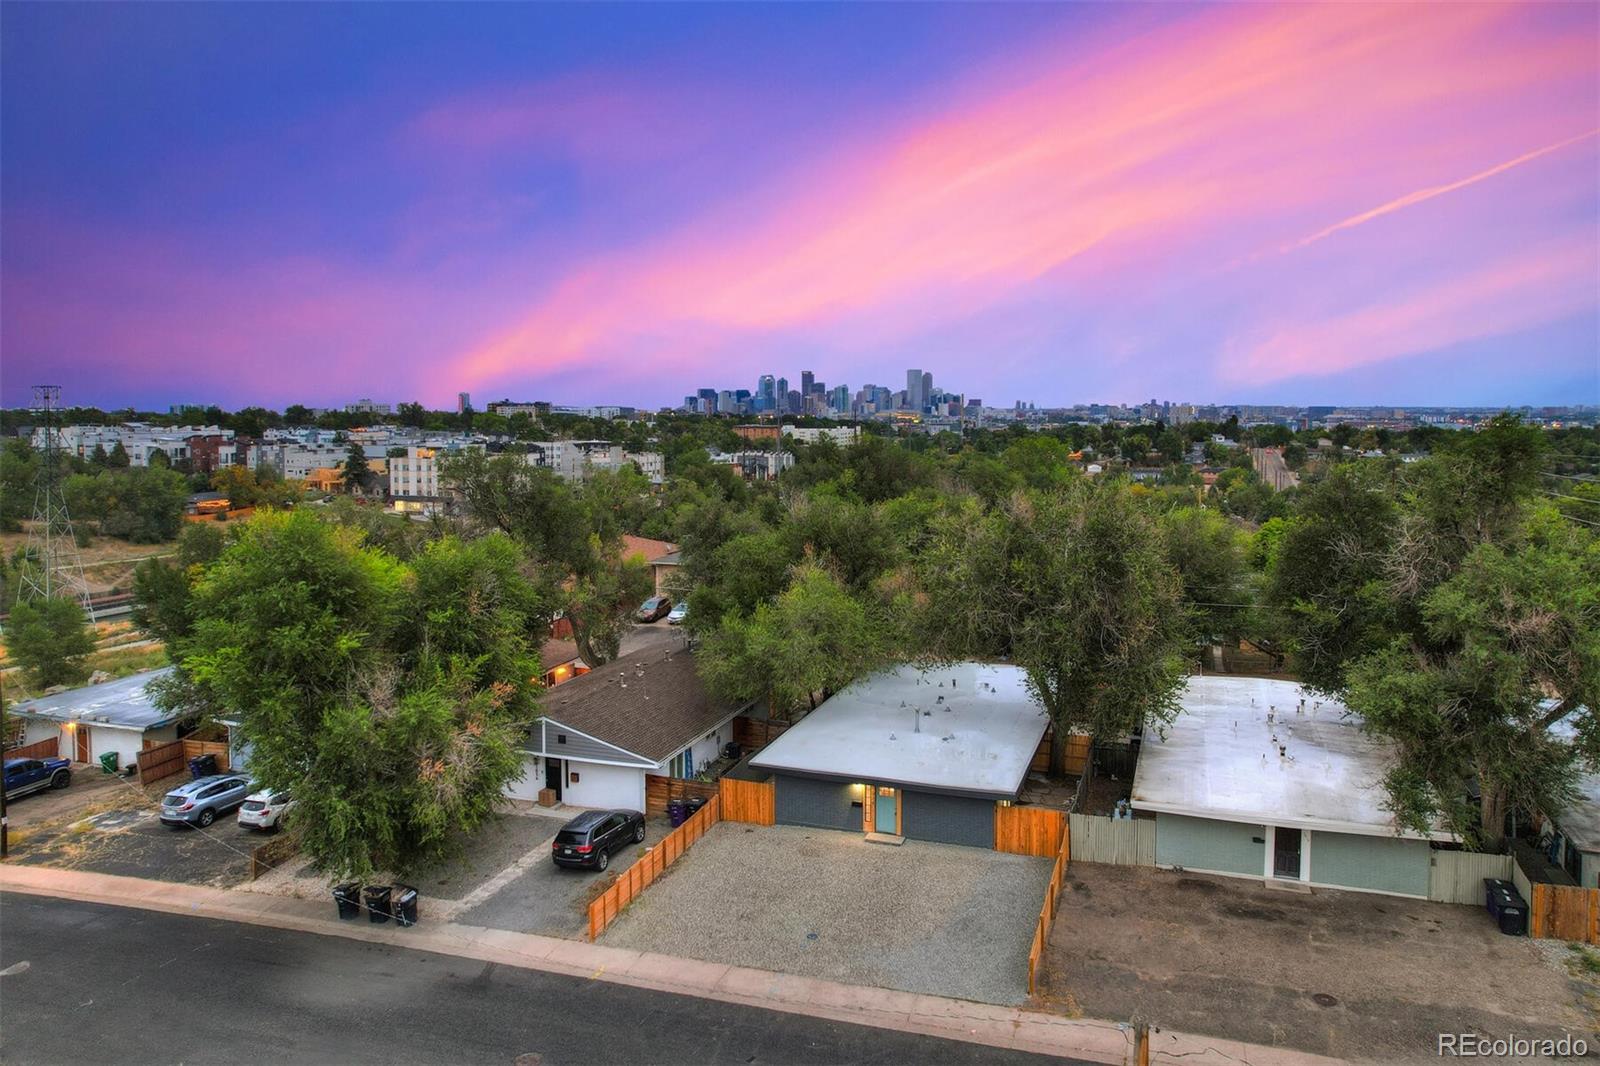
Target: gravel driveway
<point>932,918</point>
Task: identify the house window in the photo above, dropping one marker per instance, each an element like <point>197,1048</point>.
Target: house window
<point>561,738</point>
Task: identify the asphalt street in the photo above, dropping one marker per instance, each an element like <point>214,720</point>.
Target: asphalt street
<point>82,982</point>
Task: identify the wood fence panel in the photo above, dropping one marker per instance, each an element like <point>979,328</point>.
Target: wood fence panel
<point>638,877</point>
<point>748,801</point>
<point>1118,841</point>
<point>172,758</point>
<point>1028,830</point>
<point>1077,757</point>
<point>753,733</point>
<point>1047,912</point>
<point>1457,876</point>
<point>49,748</point>
<point>659,791</point>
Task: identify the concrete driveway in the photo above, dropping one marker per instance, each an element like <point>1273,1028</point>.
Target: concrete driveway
<point>1347,974</point>
<point>931,918</point>
<point>551,900</point>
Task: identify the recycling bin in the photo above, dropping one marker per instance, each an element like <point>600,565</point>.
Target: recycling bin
<point>108,762</point>
<point>405,905</point>
<point>348,897</point>
<point>377,903</point>
<point>677,812</point>
<point>202,766</point>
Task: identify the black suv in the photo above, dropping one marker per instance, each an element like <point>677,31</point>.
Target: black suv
<point>591,837</point>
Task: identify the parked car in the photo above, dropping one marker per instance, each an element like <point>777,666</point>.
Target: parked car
<point>264,809</point>
<point>35,775</point>
<point>680,611</point>
<point>198,802</point>
<point>590,838</point>
<point>653,609</point>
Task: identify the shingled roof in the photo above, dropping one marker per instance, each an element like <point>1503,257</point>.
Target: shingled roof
<point>650,703</point>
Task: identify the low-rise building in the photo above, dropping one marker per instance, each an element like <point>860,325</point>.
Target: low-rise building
<point>113,717</point>
<point>843,436</point>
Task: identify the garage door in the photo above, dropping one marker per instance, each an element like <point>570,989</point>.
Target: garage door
<point>805,801</point>
<point>948,819</point>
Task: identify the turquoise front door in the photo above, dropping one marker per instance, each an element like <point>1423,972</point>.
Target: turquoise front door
<point>884,811</point>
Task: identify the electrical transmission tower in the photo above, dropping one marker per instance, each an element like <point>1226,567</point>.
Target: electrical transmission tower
<point>52,566</point>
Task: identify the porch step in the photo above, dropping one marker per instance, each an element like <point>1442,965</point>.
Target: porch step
<point>885,838</point>
<point>1283,884</point>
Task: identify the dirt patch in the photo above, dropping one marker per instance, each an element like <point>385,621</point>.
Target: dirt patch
<point>1355,976</point>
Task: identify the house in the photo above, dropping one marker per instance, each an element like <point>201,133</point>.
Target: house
<point>116,716</point>
<point>654,552</point>
<point>1262,779</point>
<point>665,568</point>
<point>1571,838</point>
<point>915,752</point>
<point>603,731</point>
<point>561,662</point>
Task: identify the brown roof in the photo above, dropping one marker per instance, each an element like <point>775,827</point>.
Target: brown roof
<point>556,652</point>
<point>650,703</point>
<point>650,549</point>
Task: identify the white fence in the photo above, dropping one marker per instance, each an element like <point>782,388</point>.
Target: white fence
<point>1120,841</point>
<point>1457,876</point>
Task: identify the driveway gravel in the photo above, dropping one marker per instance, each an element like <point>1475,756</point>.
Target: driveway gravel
<point>932,918</point>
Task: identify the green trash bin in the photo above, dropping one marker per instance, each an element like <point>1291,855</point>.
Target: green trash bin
<point>108,762</point>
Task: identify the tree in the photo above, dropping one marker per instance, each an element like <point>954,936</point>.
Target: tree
<point>357,474</point>
<point>1074,586</point>
<point>118,457</point>
<point>142,504</point>
<point>18,468</point>
<point>813,640</point>
<point>601,601</point>
<point>49,639</point>
<point>1209,554</point>
<point>390,699</point>
<point>1460,618</point>
<point>161,589</point>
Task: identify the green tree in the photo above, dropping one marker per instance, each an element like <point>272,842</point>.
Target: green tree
<point>142,504</point>
<point>117,458</point>
<point>357,474</point>
<point>601,601</point>
<point>813,640</point>
<point>389,699</point>
<point>1209,554</point>
<point>161,588</point>
<point>1075,587</point>
<point>49,639</point>
<point>18,468</point>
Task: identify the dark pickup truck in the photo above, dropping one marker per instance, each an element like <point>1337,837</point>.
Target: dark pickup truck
<point>35,775</point>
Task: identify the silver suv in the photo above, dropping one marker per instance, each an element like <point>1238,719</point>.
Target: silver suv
<point>201,800</point>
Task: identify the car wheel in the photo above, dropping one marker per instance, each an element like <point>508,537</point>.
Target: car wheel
<point>603,861</point>
<point>62,779</point>
<point>638,834</point>
<point>207,816</point>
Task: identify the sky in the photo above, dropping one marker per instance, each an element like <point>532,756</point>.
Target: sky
<point>1307,204</point>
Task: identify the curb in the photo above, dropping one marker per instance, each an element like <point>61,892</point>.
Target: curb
<point>992,1026</point>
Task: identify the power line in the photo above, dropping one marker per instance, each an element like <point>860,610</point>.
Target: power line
<point>1580,521</point>
<point>1572,477</point>
<point>1563,496</point>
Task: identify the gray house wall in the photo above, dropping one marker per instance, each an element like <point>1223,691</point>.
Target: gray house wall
<point>947,819</point>
<point>577,746</point>
<point>1205,844</point>
<point>808,801</point>
<point>1377,864</point>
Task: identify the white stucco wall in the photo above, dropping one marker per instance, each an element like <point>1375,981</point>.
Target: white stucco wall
<point>528,785</point>
<point>599,785</point>
<point>127,743</point>
<point>34,730</point>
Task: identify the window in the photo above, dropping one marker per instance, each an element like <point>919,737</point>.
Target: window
<point>561,738</point>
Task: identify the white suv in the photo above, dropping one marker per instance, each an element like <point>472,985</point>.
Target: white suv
<point>262,810</point>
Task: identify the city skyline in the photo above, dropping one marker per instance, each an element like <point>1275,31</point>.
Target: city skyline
<point>608,206</point>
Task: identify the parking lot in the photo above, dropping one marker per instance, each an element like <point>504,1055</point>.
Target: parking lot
<point>932,918</point>
<point>111,826</point>
<point>1346,974</point>
<point>546,899</point>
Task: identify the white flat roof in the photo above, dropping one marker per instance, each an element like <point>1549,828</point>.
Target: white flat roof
<point>969,727</point>
<point>1220,759</point>
<point>1580,820</point>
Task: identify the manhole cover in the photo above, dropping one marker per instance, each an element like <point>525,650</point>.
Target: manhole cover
<point>1322,999</point>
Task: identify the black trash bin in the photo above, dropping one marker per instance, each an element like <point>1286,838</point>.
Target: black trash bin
<point>405,905</point>
<point>202,766</point>
<point>378,903</point>
<point>677,811</point>
<point>348,897</point>
<point>1506,906</point>
<point>694,807</point>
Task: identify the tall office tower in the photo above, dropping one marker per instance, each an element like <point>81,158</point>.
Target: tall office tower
<point>927,388</point>
<point>807,380</point>
<point>781,400</point>
<point>463,402</point>
<point>841,399</point>
<point>764,397</point>
<point>796,403</point>
<point>914,389</point>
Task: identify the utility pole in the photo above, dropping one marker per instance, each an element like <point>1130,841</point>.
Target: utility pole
<point>53,566</point>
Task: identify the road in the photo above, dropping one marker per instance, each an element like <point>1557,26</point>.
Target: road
<point>102,983</point>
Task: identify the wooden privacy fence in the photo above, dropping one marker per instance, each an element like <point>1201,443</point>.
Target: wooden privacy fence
<point>1047,913</point>
<point>1457,876</point>
<point>752,733</point>
<point>271,855</point>
<point>1564,912</point>
<point>49,748</point>
<point>638,877</point>
<point>748,801</point>
<point>659,791</point>
<point>172,758</point>
<point>1028,830</point>
<point>1118,841</point>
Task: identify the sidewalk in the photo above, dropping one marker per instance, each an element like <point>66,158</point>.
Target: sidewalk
<point>1024,1030</point>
